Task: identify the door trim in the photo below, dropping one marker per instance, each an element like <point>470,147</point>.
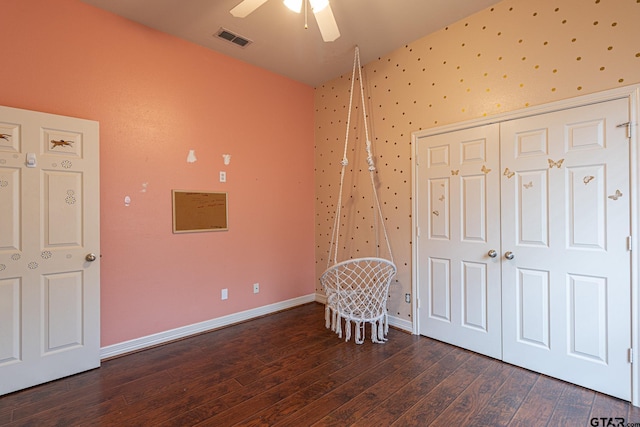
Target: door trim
<point>632,94</point>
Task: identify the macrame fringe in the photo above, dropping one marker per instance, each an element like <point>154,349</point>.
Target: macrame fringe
<point>379,327</point>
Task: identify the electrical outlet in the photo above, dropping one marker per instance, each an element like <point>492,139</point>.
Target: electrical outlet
<point>223,176</point>
<point>407,298</point>
<point>224,294</point>
<point>256,288</point>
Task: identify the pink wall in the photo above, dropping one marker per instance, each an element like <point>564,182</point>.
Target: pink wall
<point>157,97</point>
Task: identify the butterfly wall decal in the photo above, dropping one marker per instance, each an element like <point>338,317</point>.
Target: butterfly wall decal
<point>616,196</point>
<point>455,172</point>
<point>557,164</point>
<point>529,185</point>
<point>508,173</point>
<point>485,169</point>
<point>588,179</point>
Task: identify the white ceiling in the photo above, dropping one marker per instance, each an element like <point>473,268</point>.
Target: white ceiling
<point>281,43</point>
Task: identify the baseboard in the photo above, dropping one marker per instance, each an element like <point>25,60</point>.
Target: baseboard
<point>396,322</point>
<point>402,324</point>
<point>197,328</point>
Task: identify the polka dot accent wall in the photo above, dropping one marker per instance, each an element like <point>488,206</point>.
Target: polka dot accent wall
<point>516,54</point>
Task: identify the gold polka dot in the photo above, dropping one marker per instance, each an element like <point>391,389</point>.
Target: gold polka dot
<point>504,76</point>
<point>610,48</point>
<point>564,21</point>
<point>613,24</point>
<point>545,43</point>
<point>553,89</point>
<point>620,80</point>
<point>579,87</point>
<point>638,54</point>
<point>555,71</point>
<point>524,58</point>
<point>595,22</point>
<point>579,58</point>
<point>573,40</point>
<point>601,68</point>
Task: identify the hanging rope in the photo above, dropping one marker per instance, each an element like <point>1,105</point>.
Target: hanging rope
<point>377,214</point>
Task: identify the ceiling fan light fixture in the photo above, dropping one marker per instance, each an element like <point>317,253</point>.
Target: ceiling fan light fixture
<point>294,5</point>
<point>318,5</point>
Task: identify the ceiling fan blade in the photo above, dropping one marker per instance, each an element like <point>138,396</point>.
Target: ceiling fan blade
<point>327,24</point>
<point>245,7</point>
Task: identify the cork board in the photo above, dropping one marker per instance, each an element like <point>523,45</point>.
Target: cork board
<point>199,211</point>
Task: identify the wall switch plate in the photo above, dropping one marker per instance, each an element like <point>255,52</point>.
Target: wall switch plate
<point>256,288</point>
<point>223,176</point>
<point>224,294</point>
<point>407,298</point>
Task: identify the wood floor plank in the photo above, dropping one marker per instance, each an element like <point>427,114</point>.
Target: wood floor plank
<point>402,400</point>
<point>268,399</point>
<point>475,397</point>
<point>287,369</point>
<point>399,371</point>
<point>539,403</point>
<point>608,407</point>
<point>441,396</point>
<point>573,408</point>
<point>505,402</point>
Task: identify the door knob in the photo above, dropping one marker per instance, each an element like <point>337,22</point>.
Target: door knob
<point>508,255</point>
<point>492,253</point>
<point>90,257</point>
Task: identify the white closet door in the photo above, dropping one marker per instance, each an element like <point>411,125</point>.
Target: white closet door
<point>565,219</point>
<point>458,203</point>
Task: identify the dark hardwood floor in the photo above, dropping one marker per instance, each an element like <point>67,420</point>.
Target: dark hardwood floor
<point>286,369</point>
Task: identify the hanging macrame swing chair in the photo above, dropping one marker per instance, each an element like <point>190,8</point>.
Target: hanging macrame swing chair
<point>357,289</point>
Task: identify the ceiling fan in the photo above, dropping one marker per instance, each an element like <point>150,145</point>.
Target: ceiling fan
<point>321,10</point>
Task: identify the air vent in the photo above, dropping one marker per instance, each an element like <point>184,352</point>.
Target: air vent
<point>227,35</point>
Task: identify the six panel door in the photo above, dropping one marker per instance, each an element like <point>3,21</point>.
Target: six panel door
<point>459,211</point>
<point>49,223</point>
<point>565,218</point>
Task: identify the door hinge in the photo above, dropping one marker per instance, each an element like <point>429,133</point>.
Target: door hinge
<point>628,126</point>
<point>630,355</point>
<point>418,231</point>
<point>418,303</point>
<point>629,243</point>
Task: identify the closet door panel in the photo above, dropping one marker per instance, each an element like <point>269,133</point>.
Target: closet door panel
<point>565,218</point>
<point>458,201</point>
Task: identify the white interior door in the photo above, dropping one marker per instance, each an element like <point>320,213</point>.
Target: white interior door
<point>49,223</point>
<point>458,211</point>
<point>566,220</point>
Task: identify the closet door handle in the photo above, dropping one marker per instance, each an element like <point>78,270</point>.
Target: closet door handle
<point>509,255</point>
<point>492,253</point>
